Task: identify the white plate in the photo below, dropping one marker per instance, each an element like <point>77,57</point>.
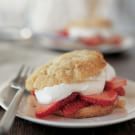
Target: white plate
<point>66,44</point>
<point>118,115</point>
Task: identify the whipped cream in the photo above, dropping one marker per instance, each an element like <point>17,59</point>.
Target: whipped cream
<point>77,32</point>
<point>92,85</point>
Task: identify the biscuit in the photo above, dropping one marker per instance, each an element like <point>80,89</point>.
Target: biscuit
<point>91,111</point>
<point>72,67</point>
<point>91,23</point>
<point>96,110</point>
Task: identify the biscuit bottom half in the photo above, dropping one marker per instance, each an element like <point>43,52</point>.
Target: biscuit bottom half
<point>96,110</point>
<point>86,112</point>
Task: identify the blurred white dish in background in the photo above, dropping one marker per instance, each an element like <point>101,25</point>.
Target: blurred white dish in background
<point>51,41</point>
<point>76,32</point>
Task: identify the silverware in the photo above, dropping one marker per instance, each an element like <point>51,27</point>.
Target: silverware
<point>17,83</point>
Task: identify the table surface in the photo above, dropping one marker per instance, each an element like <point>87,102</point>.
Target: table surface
<point>12,56</point>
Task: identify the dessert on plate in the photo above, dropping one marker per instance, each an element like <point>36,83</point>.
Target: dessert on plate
<point>92,32</point>
<point>77,84</point>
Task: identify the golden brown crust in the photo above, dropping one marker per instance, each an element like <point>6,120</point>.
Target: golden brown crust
<point>90,23</point>
<point>70,67</point>
<point>92,111</point>
<point>121,103</point>
<point>97,110</point>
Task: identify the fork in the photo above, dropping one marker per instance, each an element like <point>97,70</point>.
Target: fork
<point>17,83</point>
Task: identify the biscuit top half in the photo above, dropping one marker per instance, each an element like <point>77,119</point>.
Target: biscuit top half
<point>91,23</point>
<point>72,67</point>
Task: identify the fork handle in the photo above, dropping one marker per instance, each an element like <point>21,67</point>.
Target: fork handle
<point>9,116</point>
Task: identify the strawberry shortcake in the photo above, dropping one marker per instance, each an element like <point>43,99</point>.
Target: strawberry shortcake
<point>77,84</point>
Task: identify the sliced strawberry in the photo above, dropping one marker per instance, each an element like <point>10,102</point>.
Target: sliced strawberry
<point>33,92</point>
<point>116,39</point>
<point>104,99</point>
<point>46,110</point>
<point>73,107</point>
<point>63,33</point>
<point>115,83</point>
<point>69,99</point>
<point>120,91</point>
<point>92,41</point>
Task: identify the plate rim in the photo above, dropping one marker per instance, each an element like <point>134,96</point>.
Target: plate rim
<point>63,46</point>
<point>61,124</point>
<point>69,125</point>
